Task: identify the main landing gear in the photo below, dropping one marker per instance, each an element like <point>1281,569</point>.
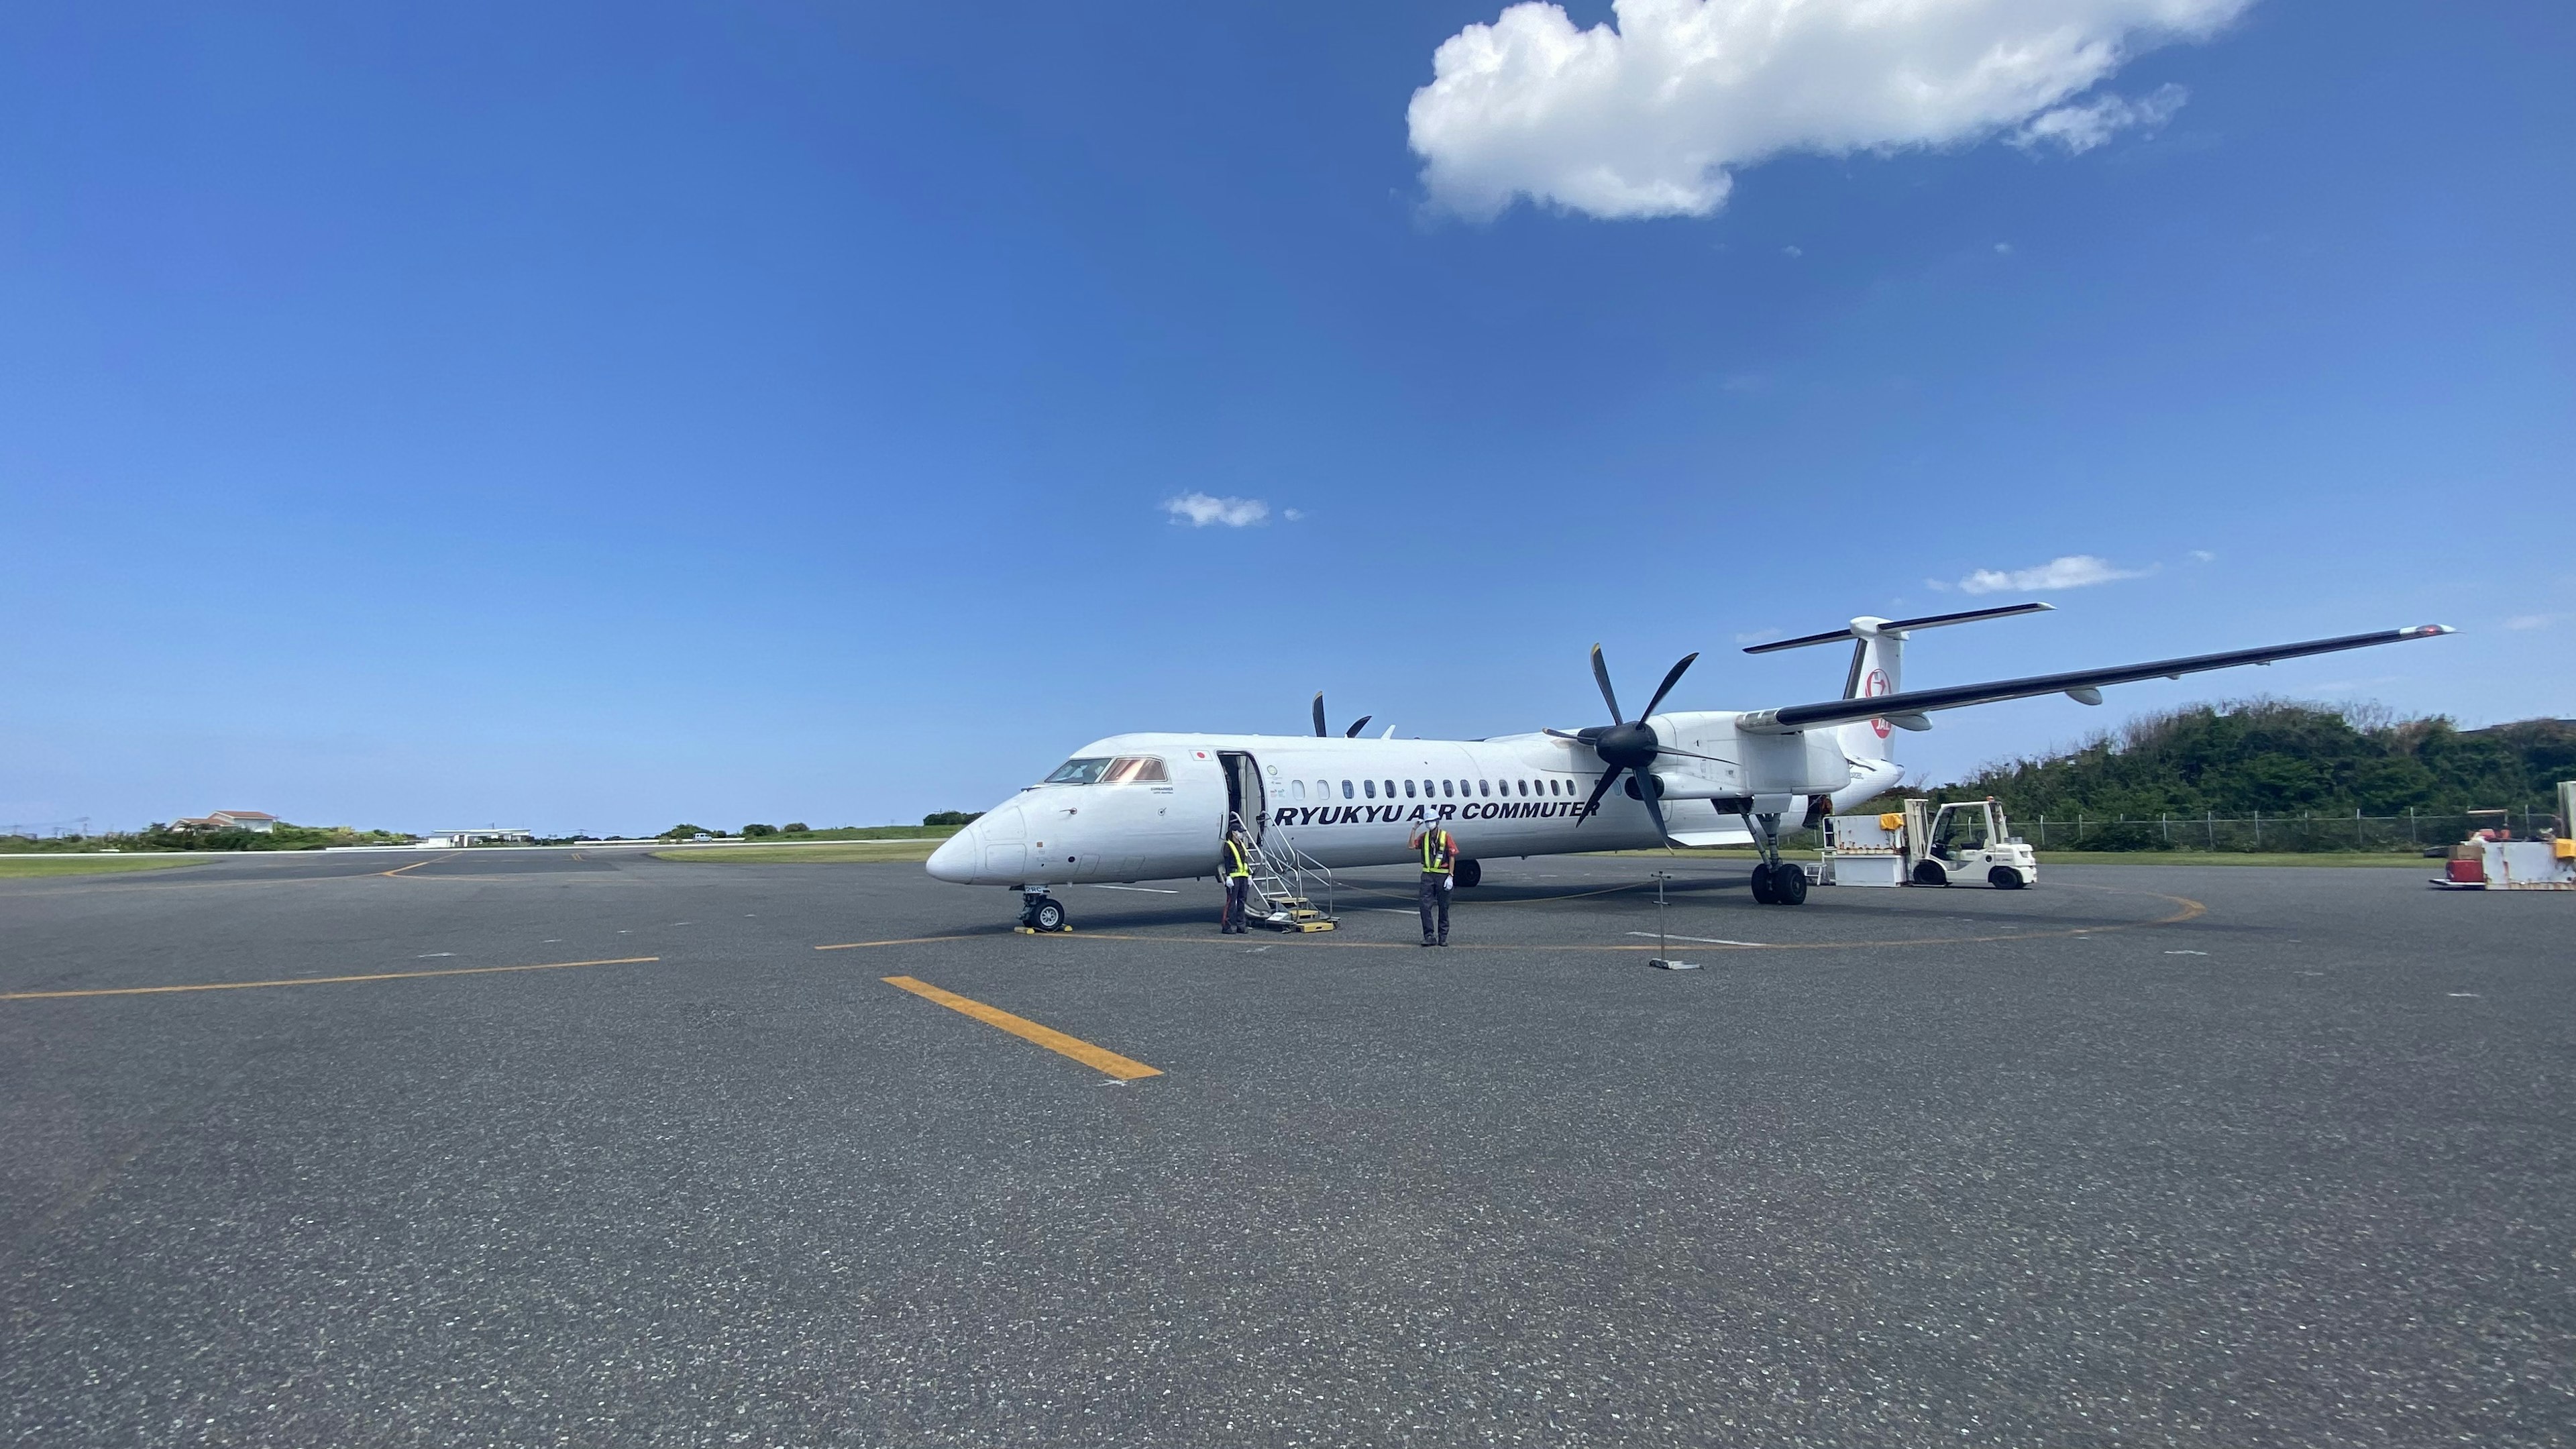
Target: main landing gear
<point>1041,912</point>
<point>1776,882</point>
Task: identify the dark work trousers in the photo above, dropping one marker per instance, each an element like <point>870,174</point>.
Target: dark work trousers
<point>1435,898</point>
<point>1238,889</point>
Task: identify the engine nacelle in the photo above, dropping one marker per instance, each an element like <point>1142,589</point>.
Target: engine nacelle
<point>1781,762</point>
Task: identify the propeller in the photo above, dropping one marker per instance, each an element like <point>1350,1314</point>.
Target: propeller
<point>1349,734</point>
<point>1630,745</point>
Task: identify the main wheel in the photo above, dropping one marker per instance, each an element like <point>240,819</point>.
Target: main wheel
<point>2004,878</point>
<point>1047,915</point>
<point>1929,872</point>
<point>1470,874</point>
<point>1789,884</point>
<point>1764,893</point>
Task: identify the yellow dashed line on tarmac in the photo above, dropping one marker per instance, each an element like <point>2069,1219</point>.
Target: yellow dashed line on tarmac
<point>1125,1069</point>
<point>417,864</point>
<point>320,980</point>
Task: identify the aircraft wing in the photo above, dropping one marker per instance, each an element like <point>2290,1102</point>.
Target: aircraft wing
<point>1907,708</point>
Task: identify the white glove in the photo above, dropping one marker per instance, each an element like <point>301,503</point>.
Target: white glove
<point>1448,882</point>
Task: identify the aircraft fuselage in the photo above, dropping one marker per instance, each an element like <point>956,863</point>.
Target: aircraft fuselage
<point>1355,802</point>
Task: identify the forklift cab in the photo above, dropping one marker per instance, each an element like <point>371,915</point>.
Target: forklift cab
<point>1959,829</point>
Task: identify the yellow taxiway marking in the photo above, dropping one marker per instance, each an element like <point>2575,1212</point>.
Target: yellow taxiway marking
<point>417,864</point>
<point>321,980</point>
<point>1125,1069</point>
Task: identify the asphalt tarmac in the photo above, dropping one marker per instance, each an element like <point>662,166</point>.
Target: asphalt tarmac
<point>2141,1156</point>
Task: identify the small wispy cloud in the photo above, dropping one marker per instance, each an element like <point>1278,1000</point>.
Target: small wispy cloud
<point>2202,555</point>
<point>2080,127</point>
<point>2531,621</point>
<point>1757,636</point>
<point>2003,249</point>
<point>2073,571</point>
<point>1293,515</point>
<point>1198,510</point>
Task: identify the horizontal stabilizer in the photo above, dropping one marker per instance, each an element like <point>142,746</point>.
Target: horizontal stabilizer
<point>1914,702</point>
<point>1928,621</point>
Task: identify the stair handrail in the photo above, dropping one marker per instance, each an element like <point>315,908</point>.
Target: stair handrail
<point>1279,858</point>
<point>1307,865</point>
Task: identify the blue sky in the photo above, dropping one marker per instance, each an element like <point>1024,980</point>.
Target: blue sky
<point>595,417</point>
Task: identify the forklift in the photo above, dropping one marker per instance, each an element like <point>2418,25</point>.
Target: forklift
<point>1969,840</point>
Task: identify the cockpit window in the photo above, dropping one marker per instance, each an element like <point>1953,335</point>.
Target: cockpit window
<point>1135,770</point>
<point>1078,772</point>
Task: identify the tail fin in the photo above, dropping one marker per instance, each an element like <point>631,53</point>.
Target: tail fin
<point>1878,667</point>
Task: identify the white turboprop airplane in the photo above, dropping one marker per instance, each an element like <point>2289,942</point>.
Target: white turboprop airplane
<point>1155,806</point>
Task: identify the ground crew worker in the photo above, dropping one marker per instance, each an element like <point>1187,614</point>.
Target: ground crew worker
<point>1238,883</point>
<point>1439,854</point>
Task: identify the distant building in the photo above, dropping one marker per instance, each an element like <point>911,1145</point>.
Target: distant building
<point>257,822</point>
<point>484,833</point>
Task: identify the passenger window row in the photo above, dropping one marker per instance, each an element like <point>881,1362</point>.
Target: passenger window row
<point>1440,789</point>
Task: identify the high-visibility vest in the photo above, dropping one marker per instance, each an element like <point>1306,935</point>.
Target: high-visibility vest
<point>1242,868</point>
<point>1439,849</point>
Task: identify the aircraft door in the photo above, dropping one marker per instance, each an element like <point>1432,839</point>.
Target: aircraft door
<point>1244,796</point>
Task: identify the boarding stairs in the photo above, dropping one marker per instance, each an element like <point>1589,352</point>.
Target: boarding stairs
<point>1284,882</point>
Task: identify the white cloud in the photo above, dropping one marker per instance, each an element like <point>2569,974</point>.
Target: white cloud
<point>1293,515</point>
<point>1198,510</point>
<point>2003,249</point>
<point>2202,555</point>
<point>2074,571</point>
<point>1757,636</point>
<point>2081,127</point>
<point>1650,114</point>
<point>2531,621</point>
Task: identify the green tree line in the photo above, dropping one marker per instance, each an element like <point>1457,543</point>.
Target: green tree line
<point>158,836</point>
<point>2282,759</point>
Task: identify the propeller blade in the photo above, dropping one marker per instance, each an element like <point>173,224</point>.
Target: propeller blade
<point>1608,777</point>
<point>1320,731</point>
<point>1654,806</point>
<point>1667,686</point>
<point>1356,726</point>
<point>1562,735</point>
<point>1601,676</point>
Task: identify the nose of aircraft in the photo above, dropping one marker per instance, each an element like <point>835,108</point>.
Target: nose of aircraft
<point>959,855</point>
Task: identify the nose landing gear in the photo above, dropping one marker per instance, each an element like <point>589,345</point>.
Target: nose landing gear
<point>1041,912</point>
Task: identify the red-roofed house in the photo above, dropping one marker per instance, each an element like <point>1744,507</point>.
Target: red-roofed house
<point>257,822</point>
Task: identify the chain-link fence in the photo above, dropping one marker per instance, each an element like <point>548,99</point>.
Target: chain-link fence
<point>2306,831</point>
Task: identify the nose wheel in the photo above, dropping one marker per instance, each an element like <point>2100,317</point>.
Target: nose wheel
<point>1042,912</point>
